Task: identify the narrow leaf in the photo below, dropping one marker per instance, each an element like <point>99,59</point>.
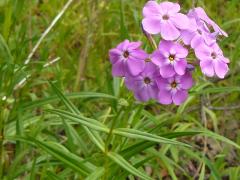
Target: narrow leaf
<point>127,166</point>
<point>91,123</point>
<point>132,133</point>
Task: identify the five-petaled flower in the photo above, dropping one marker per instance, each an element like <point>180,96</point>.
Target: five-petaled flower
<point>144,85</point>
<point>164,18</point>
<point>171,58</point>
<point>174,89</point>
<point>127,58</point>
<point>212,60</point>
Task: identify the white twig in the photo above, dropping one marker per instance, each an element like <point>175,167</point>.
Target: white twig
<point>51,62</point>
<point>55,20</point>
<point>22,82</point>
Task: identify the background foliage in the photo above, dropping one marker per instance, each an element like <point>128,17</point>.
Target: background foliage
<point>92,128</point>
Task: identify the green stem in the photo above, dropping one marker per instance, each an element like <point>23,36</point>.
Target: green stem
<point>1,142</point>
<point>108,140</point>
<point>109,137</point>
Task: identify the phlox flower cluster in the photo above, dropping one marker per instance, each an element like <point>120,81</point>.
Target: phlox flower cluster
<point>166,74</point>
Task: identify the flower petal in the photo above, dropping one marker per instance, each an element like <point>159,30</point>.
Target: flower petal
<point>150,69</point>
<point>181,21</point>
<point>165,46</point>
<point>114,55</point>
<point>181,52</point>
<point>221,68</point>
<point>169,7</point>
<point>152,25</point>
<point>134,45</point>
<point>153,91</point>
<point>142,94</point>
<point>162,83</point>
<point>203,52</point>
<point>207,67</point>
<point>151,8</point>
<point>169,31</point>
<point>138,54</point>
<point>196,41</point>
<point>167,71</point>
<point>165,97</point>
<point>179,97</point>
<point>187,36</point>
<point>118,68</point>
<point>180,67</point>
<point>135,66</point>
<point>123,46</point>
<point>186,81</point>
<point>158,58</point>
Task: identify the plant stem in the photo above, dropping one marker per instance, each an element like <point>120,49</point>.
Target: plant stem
<point>109,137</point>
<point>1,142</point>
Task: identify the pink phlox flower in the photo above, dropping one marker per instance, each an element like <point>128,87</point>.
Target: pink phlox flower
<point>164,19</point>
<point>144,85</point>
<point>212,60</point>
<point>170,58</point>
<point>127,58</point>
<point>174,89</point>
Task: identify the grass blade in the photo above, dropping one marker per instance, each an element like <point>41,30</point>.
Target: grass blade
<point>76,95</point>
<point>62,154</point>
<point>127,166</point>
<point>132,133</point>
<point>90,123</point>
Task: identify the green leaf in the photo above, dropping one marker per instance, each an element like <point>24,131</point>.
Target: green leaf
<point>53,176</point>
<point>180,134</point>
<point>218,90</point>
<point>96,174</point>
<point>73,139</point>
<point>62,154</point>
<point>213,169</point>
<point>167,163</point>
<point>127,166</point>
<point>90,123</point>
<point>132,133</point>
<point>202,173</point>
<point>220,138</point>
<point>5,53</point>
<point>78,95</point>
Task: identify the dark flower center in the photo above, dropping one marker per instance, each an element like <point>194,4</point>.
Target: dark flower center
<point>171,57</point>
<point>126,54</point>
<point>214,55</point>
<point>147,80</point>
<point>148,60</point>
<point>174,84</point>
<point>165,17</point>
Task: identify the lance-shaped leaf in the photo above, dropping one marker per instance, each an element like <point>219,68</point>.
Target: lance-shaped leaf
<point>127,166</point>
<point>132,133</point>
<point>91,123</point>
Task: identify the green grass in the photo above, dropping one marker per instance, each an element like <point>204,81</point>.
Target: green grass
<point>72,120</point>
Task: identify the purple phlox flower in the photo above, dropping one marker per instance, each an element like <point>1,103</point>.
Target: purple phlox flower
<point>144,85</point>
<point>197,33</point>
<point>164,18</point>
<point>127,58</point>
<point>212,60</point>
<point>174,89</point>
<point>170,58</point>
<point>200,15</point>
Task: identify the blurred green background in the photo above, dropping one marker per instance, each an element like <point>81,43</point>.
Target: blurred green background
<point>80,41</point>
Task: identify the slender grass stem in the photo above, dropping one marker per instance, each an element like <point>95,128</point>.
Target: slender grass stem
<point>45,33</point>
